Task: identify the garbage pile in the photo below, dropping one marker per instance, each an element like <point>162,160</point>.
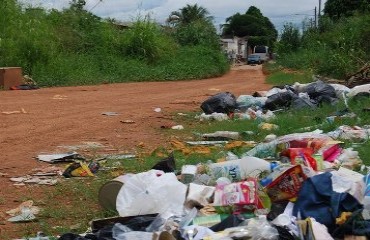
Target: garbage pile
<point>263,104</point>
<point>297,186</point>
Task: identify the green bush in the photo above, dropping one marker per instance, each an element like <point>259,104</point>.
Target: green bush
<point>197,33</point>
<point>340,50</point>
<point>145,41</point>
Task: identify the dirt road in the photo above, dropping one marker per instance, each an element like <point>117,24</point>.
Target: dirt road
<point>64,116</point>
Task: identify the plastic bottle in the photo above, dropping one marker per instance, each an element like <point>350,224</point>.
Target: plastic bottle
<point>263,150</point>
<point>239,169</point>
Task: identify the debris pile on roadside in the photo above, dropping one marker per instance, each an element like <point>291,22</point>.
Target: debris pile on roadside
<point>300,186</point>
<point>263,104</point>
<point>307,185</point>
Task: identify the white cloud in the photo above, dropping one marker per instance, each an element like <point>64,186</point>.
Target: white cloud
<point>278,11</point>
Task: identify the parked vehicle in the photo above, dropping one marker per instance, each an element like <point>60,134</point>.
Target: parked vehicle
<point>254,59</point>
<point>262,51</point>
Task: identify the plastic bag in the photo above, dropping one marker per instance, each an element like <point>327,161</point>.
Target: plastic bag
<point>321,92</point>
<point>246,101</point>
<point>151,192</point>
<point>340,89</point>
<point>279,100</point>
<point>120,232</point>
<point>359,89</point>
<point>302,101</point>
<point>254,229</point>
<point>167,164</point>
<point>214,116</point>
<point>79,169</point>
<point>220,103</point>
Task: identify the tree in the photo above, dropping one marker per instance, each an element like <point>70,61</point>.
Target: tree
<point>336,9</point>
<point>252,24</point>
<point>77,5</point>
<point>189,14</point>
<point>192,25</point>
<point>290,39</point>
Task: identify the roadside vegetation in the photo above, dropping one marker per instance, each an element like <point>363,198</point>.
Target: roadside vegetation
<point>74,47</point>
<point>337,47</point>
<point>279,76</point>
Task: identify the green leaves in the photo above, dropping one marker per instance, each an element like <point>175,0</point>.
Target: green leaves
<point>251,24</point>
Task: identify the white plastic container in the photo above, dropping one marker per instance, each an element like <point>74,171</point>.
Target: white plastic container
<point>237,170</point>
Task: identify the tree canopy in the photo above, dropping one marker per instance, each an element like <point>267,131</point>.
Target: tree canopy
<point>192,25</point>
<point>253,24</point>
<point>290,39</point>
<point>189,14</point>
<point>336,9</point>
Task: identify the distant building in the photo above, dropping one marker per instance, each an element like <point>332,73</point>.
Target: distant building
<point>236,45</point>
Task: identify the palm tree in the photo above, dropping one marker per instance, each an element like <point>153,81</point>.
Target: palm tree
<point>189,14</point>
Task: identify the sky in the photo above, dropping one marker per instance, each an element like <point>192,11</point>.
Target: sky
<point>278,11</point>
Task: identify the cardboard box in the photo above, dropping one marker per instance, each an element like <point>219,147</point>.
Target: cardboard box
<point>10,76</point>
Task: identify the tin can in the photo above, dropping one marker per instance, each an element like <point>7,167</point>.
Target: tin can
<point>109,191</point>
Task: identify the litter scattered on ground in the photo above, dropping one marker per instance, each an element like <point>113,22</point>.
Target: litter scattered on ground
<point>110,114</point>
<point>27,204</point>
<point>81,169</point>
<point>25,212</point>
<point>118,156</point>
<point>218,135</point>
<point>60,157</point>
<point>297,186</point>
<point>196,143</point>
<point>128,121</point>
<point>157,110</point>
<point>177,127</point>
<point>28,179</point>
<point>14,112</point>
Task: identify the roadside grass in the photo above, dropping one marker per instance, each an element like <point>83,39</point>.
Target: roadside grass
<point>277,75</point>
<point>194,62</point>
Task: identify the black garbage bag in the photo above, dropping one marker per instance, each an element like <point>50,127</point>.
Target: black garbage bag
<point>72,236</point>
<point>284,233</point>
<point>280,100</point>
<point>224,102</point>
<point>230,221</point>
<point>300,102</point>
<point>321,92</point>
<point>166,165</point>
<point>277,208</point>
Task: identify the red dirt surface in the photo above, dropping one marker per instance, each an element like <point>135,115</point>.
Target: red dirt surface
<point>65,116</point>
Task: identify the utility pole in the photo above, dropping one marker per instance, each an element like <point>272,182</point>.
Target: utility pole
<point>319,13</point>
<point>315,18</point>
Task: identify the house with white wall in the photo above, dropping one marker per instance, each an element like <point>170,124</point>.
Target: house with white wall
<point>235,44</point>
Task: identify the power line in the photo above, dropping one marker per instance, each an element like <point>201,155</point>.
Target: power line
<point>99,1</point>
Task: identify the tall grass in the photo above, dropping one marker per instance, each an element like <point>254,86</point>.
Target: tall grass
<point>337,50</point>
<point>75,47</point>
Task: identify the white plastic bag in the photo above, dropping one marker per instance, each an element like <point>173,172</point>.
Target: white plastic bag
<point>151,192</point>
